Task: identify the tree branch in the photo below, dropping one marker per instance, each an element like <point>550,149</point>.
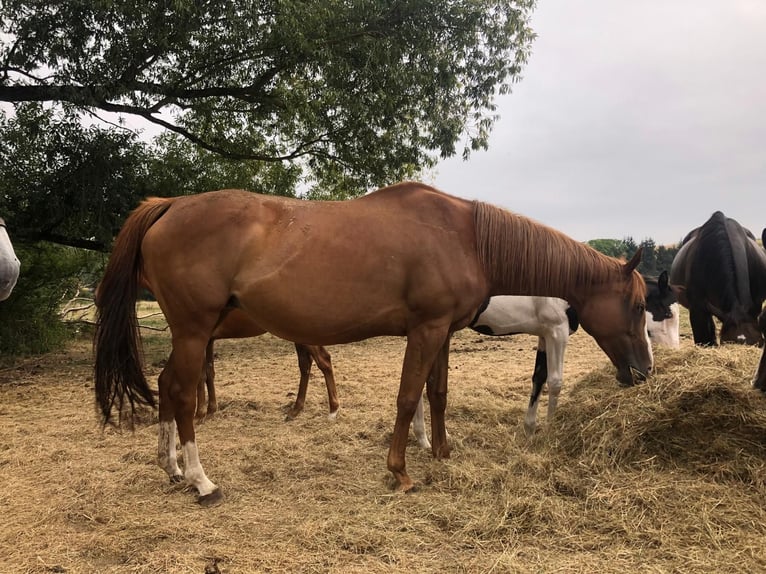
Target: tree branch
<point>58,239</point>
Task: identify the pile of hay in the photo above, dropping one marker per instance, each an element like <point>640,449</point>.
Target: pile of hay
<point>699,413</point>
<point>667,476</point>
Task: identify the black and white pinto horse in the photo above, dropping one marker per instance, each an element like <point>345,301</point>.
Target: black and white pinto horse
<point>662,312</point>
<point>720,271</point>
<point>553,321</point>
<point>9,263</point>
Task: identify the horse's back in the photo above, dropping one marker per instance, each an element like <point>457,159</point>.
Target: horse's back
<point>511,314</point>
<point>300,268</point>
<point>720,255</point>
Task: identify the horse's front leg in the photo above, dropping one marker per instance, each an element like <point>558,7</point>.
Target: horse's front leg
<point>703,327</point>
<point>304,366</point>
<point>423,344</point>
<point>556,344</point>
<point>539,376</point>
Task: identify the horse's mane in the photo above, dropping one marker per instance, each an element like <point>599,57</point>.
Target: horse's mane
<point>713,240</point>
<point>527,257</point>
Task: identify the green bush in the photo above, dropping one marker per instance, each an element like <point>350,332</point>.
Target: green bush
<point>30,321</point>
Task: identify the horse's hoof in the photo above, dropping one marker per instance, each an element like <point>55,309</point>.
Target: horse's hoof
<point>410,488</point>
<point>212,499</point>
<point>176,478</point>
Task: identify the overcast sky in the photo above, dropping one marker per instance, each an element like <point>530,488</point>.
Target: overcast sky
<point>632,119</point>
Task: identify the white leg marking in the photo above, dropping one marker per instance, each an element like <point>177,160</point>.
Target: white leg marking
<point>419,426</point>
<point>530,418</point>
<point>166,449</point>
<point>556,346</point>
<point>194,473</point>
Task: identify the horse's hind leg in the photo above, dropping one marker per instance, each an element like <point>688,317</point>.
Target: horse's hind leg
<point>304,366</point>
<point>437,400</point>
<point>419,426</point>
<point>323,360</point>
<point>207,382</point>
<point>539,376</point>
<point>212,402</point>
<point>178,386</point>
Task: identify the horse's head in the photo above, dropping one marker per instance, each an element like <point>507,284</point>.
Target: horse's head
<point>615,316</point>
<point>659,297</point>
<point>739,328</point>
<point>662,318</point>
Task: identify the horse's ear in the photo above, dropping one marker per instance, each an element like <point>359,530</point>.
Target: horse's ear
<point>662,281</point>
<point>634,261</point>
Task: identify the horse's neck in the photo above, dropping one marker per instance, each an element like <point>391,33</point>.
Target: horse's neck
<point>572,279</point>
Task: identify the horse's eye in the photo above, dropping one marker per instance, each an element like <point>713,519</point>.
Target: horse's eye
<point>641,307</point>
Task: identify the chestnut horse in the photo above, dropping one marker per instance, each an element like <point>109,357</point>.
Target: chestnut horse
<point>406,260</point>
<point>9,263</point>
<point>238,325</point>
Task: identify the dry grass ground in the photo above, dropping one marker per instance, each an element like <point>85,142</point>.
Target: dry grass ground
<point>668,476</point>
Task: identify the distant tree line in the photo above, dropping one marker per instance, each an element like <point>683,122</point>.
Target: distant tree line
<point>654,260</point>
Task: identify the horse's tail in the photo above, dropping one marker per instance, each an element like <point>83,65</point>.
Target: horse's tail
<point>118,373</point>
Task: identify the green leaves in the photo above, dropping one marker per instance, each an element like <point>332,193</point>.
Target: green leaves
<point>375,90</point>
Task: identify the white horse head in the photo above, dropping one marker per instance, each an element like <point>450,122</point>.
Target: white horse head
<point>9,264</point>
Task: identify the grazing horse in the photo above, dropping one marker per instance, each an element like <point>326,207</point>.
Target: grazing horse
<point>550,318</point>
<point>662,312</point>
<point>238,325</point>
<point>9,263</point>
<point>720,271</point>
<point>553,320</point>
<point>406,260</point>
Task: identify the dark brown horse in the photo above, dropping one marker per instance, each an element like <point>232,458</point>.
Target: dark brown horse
<point>238,325</point>
<point>720,271</point>
<point>405,260</point>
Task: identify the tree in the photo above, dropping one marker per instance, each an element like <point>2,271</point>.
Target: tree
<point>654,259</point>
<point>179,167</point>
<point>613,247</point>
<point>356,93</point>
<point>649,258</point>
<point>64,183</point>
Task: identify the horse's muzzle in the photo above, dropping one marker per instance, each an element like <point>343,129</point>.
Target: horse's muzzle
<point>629,376</point>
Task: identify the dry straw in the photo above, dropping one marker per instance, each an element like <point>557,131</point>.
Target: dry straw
<point>667,476</point>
